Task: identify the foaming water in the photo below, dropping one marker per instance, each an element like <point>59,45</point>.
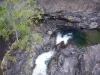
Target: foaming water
<point>42,63</point>
<point>61,38</point>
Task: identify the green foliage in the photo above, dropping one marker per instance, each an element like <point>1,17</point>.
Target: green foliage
<point>2,11</point>
<point>37,38</point>
<point>10,58</point>
<point>4,27</point>
<point>15,20</point>
<point>37,17</point>
<point>23,43</point>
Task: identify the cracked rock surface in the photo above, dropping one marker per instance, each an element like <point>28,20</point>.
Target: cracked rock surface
<point>67,61</point>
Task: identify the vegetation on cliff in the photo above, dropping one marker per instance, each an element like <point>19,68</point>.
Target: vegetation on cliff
<point>15,19</point>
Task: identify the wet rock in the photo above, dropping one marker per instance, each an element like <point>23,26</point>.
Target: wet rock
<point>64,63</point>
<point>93,25</point>
<point>82,64</point>
<point>96,70</point>
<point>67,61</point>
<point>91,58</point>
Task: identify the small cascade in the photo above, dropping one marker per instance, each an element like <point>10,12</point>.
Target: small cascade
<point>65,35</point>
<point>42,62</point>
<point>43,59</point>
<point>63,38</point>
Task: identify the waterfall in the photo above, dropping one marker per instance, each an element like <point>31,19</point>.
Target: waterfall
<point>42,62</point>
<point>43,59</point>
<point>63,38</point>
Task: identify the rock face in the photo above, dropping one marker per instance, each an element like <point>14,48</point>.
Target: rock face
<point>69,5</point>
<point>70,62</point>
<point>14,63</point>
<point>76,19</point>
<point>67,61</point>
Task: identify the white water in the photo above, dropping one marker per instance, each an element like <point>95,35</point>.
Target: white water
<point>42,63</point>
<point>61,38</point>
<point>44,58</point>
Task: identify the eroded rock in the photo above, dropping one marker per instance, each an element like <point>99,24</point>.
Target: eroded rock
<point>69,5</point>
<point>70,60</point>
<point>82,64</point>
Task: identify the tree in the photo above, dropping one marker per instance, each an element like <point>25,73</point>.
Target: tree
<point>14,20</point>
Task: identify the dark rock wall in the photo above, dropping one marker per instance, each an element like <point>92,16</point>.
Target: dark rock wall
<point>70,5</point>
<point>70,60</point>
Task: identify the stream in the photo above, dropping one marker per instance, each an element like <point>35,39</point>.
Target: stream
<point>44,58</point>
<point>68,61</point>
<point>93,37</point>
